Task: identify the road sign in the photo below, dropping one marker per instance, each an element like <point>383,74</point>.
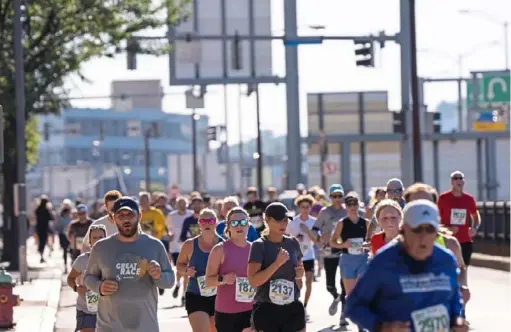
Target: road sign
<point>494,90</point>
<point>488,121</point>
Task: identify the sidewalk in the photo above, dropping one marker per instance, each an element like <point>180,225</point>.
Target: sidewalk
<point>40,296</point>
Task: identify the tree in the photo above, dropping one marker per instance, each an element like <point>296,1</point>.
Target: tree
<point>59,36</point>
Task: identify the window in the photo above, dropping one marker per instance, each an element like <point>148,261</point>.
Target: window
<point>73,129</point>
<point>133,128</point>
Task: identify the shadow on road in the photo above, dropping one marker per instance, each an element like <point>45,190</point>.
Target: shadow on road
<point>333,328</point>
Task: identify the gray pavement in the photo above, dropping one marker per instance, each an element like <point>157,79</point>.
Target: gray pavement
<point>489,309</point>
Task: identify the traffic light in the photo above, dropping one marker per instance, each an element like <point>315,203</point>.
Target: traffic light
<point>398,120</point>
<point>364,53</point>
<point>237,60</point>
<point>46,131</point>
<point>132,50</point>
<point>212,134</point>
<point>437,125</point>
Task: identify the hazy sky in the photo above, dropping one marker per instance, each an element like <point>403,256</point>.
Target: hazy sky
<point>330,67</point>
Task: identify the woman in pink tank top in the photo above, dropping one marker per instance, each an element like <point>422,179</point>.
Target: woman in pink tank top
<point>227,270</point>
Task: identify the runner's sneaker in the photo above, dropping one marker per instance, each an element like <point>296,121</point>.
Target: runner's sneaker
<point>343,321</point>
<point>332,310</point>
<point>175,292</point>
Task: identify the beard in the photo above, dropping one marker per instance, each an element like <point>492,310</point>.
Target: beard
<point>128,231</point>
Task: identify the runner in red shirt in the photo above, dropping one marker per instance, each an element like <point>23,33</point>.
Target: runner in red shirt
<point>458,212</point>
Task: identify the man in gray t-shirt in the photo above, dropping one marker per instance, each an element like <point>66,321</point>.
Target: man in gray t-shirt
<point>126,269</point>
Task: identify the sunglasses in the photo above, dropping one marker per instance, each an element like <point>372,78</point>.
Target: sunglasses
<point>424,229</point>
<point>336,196</point>
<point>394,191</point>
<point>211,221</point>
<point>352,204</point>
<point>242,223</point>
<point>457,178</point>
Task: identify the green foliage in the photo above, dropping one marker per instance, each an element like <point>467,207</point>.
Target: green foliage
<point>32,139</point>
<point>60,36</point>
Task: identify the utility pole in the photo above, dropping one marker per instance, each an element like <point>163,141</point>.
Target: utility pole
<point>259,148</point>
<point>147,160</point>
<point>194,150</point>
<point>416,116</point>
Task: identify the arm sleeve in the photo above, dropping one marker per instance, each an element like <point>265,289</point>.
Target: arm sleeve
<point>256,253</point>
<point>78,264</point>
<point>473,205</point>
<point>359,302</point>
<point>167,278</point>
<point>93,273</point>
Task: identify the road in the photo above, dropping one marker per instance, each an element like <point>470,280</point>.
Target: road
<point>489,309</point>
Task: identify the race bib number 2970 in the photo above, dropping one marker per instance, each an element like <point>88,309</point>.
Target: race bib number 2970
<point>432,319</point>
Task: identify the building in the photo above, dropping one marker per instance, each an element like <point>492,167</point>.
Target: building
<point>106,137</point>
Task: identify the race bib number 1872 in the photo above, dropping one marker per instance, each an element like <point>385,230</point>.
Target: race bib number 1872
<point>432,319</point>
<point>206,292</point>
<point>282,291</point>
<point>244,292</point>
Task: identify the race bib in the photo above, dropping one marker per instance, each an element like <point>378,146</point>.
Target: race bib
<point>304,247</point>
<point>282,291</point>
<point>206,292</point>
<point>356,246</point>
<point>432,319</point>
<point>244,292</point>
<point>92,300</point>
<point>78,243</point>
<point>458,216</point>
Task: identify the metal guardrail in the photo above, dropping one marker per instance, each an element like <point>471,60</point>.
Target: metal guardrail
<point>495,218</point>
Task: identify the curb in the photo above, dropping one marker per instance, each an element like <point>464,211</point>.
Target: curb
<point>491,262</point>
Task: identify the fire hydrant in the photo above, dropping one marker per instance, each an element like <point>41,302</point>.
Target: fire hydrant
<point>7,299</point>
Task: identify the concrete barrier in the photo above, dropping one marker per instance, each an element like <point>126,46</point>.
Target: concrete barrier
<point>491,262</point>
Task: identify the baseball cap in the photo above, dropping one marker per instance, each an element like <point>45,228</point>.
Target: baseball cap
<point>335,188</point>
<point>277,211</point>
<point>82,208</point>
<point>395,183</point>
<point>126,203</point>
<point>421,212</point>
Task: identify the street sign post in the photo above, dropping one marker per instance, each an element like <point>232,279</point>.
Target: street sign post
<point>493,89</point>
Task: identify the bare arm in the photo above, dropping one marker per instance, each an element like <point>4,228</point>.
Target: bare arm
<point>335,236</point>
<point>476,220</point>
<point>216,257</point>
<point>453,245</point>
<point>184,257</point>
<point>256,276</point>
<point>71,278</point>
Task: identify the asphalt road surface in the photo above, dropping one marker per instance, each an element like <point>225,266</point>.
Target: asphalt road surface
<point>489,309</point>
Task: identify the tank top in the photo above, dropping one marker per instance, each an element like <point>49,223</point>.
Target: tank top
<point>199,261</point>
<point>440,241</point>
<point>235,261</point>
<point>355,232</point>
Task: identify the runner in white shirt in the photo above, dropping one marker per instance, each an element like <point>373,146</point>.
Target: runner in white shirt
<point>175,221</point>
<point>301,228</point>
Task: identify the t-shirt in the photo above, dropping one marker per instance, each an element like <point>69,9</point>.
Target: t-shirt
<point>281,288</point>
<point>175,225</point>
<point>325,224</point>
<point>89,302</point>
<point>306,244</point>
<point>190,228</point>
<point>153,222</point>
<point>456,211</point>
<point>78,230</point>
<point>134,306</point>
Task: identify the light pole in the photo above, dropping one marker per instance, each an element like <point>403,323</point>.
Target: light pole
<point>495,20</point>
<point>195,176</point>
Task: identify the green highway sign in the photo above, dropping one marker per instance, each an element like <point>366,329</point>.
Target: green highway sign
<point>494,90</point>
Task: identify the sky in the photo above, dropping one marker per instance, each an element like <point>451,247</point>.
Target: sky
<point>442,34</point>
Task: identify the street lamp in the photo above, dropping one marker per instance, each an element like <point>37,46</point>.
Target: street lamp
<point>495,20</point>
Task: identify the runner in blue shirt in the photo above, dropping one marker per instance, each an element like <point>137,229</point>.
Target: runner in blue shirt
<point>411,285</point>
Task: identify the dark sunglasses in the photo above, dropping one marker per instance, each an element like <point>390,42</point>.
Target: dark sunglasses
<point>351,203</point>
<point>394,191</point>
<point>211,221</point>
<point>457,178</point>
<point>424,229</point>
<point>336,196</point>
<point>242,223</point>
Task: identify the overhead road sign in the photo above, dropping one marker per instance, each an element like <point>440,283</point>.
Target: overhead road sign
<point>493,89</point>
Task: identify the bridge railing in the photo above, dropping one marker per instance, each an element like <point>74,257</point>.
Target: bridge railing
<point>495,218</point>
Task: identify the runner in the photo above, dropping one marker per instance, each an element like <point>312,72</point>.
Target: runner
<point>255,207</point>
<point>228,204</point>
<point>126,269</point>
<point>227,270</point>
<point>153,221</point>
<point>87,300</point>
<point>107,221</point>
<point>352,231</point>
<point>78,229</point>
<point>175,222</point>
<point>301,228</point>
<point>61,227</point>
<point>395,189</point>
<point>388,215</point>
<point>275,268</point>
<point>325,224</point>
<point>190,227</point>
<point>411,285</point>
<point>192,261</point>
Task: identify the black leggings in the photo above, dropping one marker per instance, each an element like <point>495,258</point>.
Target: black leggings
<point>42,236</point>
<point>331,265</point>
<point>64,244</point>
<point>466,251</point>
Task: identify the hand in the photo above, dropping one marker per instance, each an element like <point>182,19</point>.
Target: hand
<point>282,257</point>
<point>154,269</point>
<point>108,287</point>
<point>473,232</point>
<point>190,271</point>
<point>229,278</point>
<point>300,271</point>
<point>461,325</point>
<point>465,294</point>
<point>453,229</point>
<point>366,246</point>
<point>346,244</point>
<point>395,327</point>
<point>81,290</point>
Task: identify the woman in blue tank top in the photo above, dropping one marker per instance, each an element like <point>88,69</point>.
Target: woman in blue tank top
<point>192,262</point>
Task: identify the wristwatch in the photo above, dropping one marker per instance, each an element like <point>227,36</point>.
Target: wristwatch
<point>220,279</point>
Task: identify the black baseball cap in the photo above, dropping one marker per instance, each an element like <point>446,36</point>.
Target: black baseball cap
<point>126,203</point>
<point>277,211</point>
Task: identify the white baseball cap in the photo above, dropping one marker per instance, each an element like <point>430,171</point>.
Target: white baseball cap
<point>421,212</point>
